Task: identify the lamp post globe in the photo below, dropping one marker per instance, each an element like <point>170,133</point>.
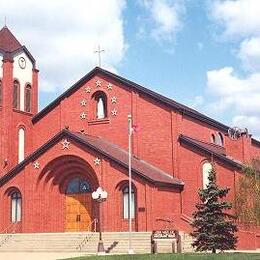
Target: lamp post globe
<point>100,196</point>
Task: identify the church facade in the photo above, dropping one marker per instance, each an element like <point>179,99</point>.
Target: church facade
<point>51,161</point>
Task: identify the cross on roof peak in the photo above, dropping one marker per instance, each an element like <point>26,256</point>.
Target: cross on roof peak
<point>99,51</point>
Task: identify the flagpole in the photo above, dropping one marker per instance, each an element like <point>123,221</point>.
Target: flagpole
<point>130,130</point>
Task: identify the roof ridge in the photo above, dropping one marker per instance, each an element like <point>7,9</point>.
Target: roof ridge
<point>162,172</point>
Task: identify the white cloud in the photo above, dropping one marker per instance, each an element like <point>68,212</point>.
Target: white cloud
<point>249,53</point>
<point>62,36</point>
<point>166,18</point>
<point>241,94</point>
<point>223,82</point>
<point>238,96</point>
<point>249,122</point>
<point>239,18</point>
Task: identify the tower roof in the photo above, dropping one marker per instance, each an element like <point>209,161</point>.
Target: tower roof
<point>8,42</point>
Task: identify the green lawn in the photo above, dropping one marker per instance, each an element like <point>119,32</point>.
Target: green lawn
<point>229,256</point>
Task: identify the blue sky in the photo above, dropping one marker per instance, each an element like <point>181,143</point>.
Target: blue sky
<point>178,68</point>
<point>203,53</point>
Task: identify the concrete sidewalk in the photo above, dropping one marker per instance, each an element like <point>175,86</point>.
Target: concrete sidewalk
<point>37,256</point>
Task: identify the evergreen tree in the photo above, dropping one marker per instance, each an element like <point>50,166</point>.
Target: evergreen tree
<point>213,227</point>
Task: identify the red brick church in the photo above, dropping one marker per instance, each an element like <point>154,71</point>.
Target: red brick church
<point>52,160</point>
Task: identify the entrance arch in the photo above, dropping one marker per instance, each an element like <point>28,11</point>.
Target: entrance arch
<point>78,205</point>
<point>64,188</point>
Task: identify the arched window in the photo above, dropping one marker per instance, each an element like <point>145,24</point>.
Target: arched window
<point>219,139</point>
<point>16,207</point>
<point>16,95</point>
<point>126,208</point>
<point>101,105</point>
<point>77,186</point>
<point>213,139</point>
<point>27,97</point>
<point>206,168</point>
<point>21,144</point>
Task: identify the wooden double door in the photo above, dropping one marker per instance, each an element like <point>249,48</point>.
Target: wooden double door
<point>78,212</point>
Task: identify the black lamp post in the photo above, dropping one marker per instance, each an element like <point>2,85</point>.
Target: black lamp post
<point>100,196</point>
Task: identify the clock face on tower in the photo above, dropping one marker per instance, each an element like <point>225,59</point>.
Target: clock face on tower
<point>22,62</point>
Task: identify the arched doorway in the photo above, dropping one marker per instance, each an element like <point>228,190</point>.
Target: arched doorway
<point>78,205</point>
<point>64,187</point>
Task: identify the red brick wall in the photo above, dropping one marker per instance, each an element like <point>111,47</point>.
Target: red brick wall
<point>196,129</point>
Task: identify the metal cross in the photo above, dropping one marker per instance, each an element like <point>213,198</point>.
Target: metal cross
<point>99,51</point>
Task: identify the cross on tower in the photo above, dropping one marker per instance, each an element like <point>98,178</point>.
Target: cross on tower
<point>99,51</point>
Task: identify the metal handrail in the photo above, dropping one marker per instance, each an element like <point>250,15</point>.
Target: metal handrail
<point>95,221</point>
<point>88,236</point>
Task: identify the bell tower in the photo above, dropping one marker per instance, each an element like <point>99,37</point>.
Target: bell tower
<point>18,100</point>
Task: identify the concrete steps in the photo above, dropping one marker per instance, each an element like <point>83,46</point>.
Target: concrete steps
<point>117,242</point>
<point>114,242</point>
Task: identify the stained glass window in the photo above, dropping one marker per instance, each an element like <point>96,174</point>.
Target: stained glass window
<point>77,185</point>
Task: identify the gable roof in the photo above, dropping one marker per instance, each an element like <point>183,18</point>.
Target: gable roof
<point>167,101</point>
<point>9,46</point>
<point>8,42</point>
<point>210,149</point>
<point>111,151</point>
